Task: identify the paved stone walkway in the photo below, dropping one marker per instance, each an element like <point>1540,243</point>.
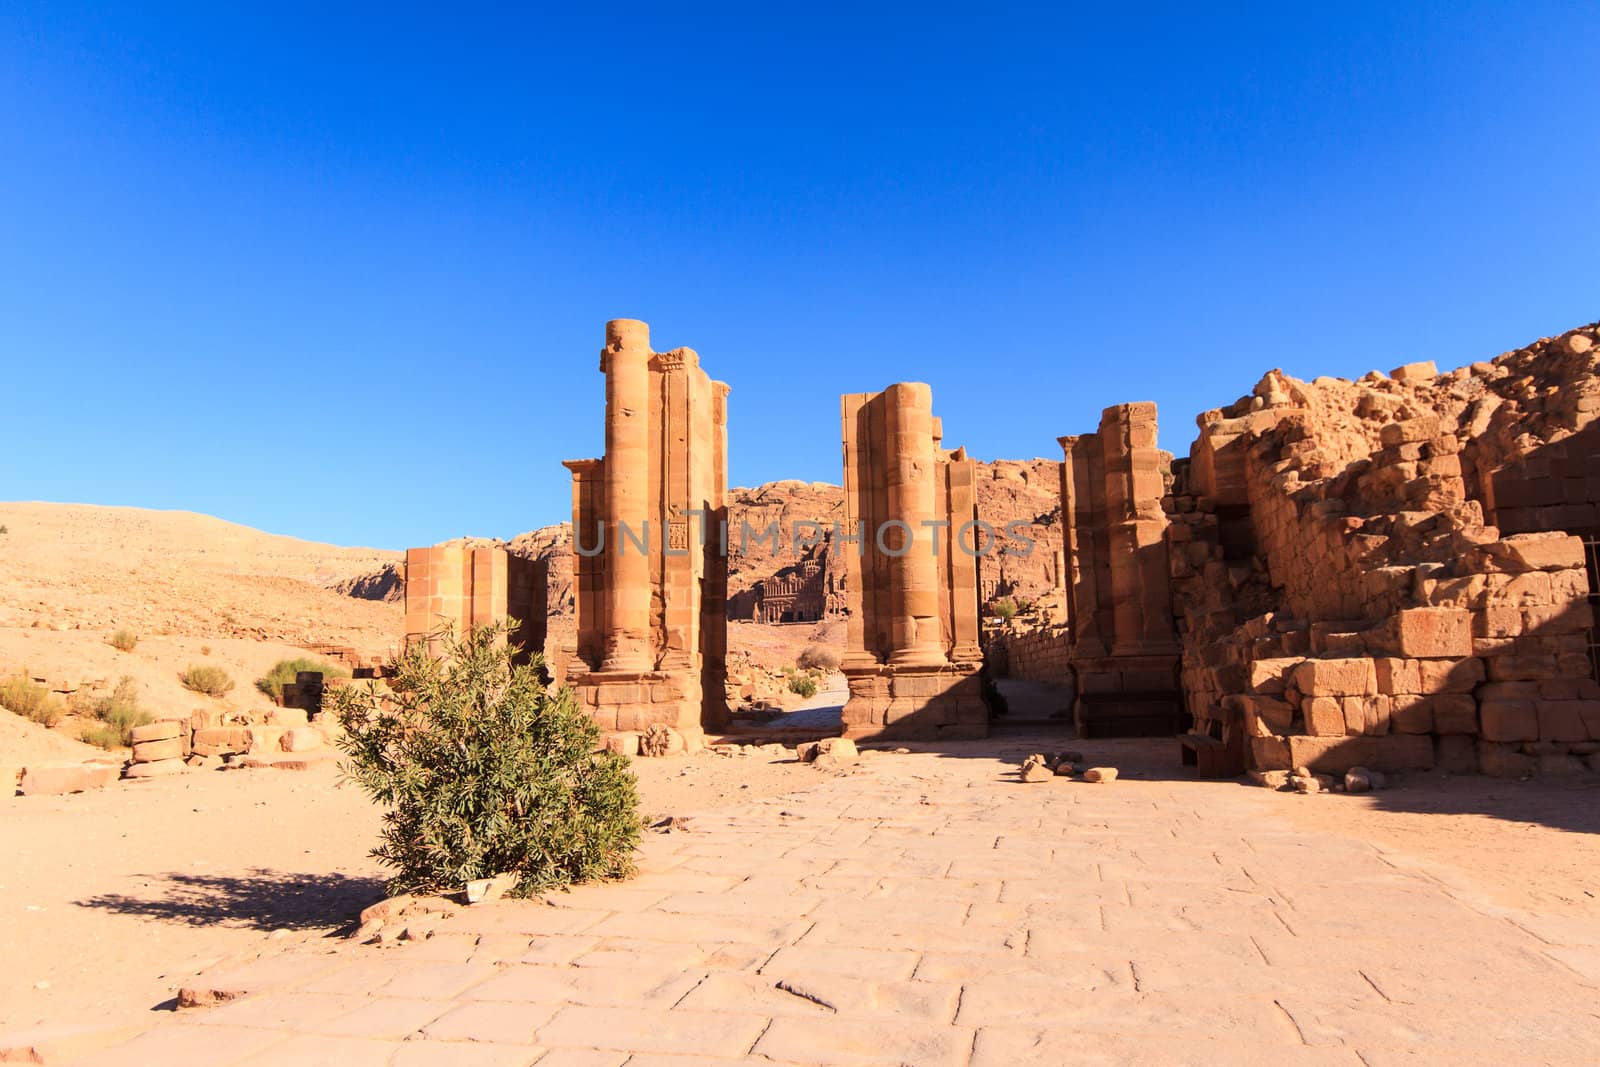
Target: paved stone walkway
<point>929,909</point>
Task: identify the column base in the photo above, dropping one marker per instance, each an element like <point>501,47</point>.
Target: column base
<point>634,701</point>
<point>915,703</point>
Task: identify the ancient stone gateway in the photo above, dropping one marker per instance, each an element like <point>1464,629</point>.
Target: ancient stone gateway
<point>648,519</point>
<point>1119,603</point>
<point>913,656</point>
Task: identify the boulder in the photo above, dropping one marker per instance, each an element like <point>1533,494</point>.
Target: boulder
<point>1100,774</point>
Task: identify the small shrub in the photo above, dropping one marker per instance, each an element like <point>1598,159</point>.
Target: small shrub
<point>212,681</point>
<point>820,658</point>
<point>31,701</point>
<point>5,529</point>
<point>205,650</point>
<point>486,772</point>
<point>1004,608</point>
<point>284,671</point>
<point>118,713</point>
<point>123,640</point>
<point>803,683</point>
<point>101,735</point>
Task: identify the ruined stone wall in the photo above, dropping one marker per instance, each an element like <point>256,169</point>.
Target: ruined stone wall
<point>1343,599</point>
<point>460,587</point>
<point>1038,656</point>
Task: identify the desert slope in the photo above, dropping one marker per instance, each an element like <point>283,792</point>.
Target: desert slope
<point>86,567</point>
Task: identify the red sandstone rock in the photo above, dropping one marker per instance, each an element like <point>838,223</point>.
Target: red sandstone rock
<point>1434,633</point>
<point>67,778</point>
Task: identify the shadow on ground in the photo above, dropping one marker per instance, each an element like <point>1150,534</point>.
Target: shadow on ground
<point>263,899</point>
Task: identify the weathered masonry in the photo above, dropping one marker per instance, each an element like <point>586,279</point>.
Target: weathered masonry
<point>458,587</point>
<point>913,657</point>
<point>650,572</point>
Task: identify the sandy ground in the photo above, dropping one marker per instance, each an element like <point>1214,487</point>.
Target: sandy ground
<point>108,900</point>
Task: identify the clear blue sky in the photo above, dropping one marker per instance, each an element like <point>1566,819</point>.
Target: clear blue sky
<point>345,277</point>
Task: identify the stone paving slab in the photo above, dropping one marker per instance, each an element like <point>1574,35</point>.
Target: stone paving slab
<point>931,909</point>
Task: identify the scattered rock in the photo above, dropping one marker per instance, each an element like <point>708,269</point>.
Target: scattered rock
<point>482,890</point>
<point>1100,774</point>
<point>1036,769</point>
<point>672,824</point>
<point>830,752</point>
<point>626,743</point>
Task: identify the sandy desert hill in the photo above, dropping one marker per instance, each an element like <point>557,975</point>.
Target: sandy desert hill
<point>195,589</point>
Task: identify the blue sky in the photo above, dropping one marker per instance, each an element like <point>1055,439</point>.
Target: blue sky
<point>345,276</point>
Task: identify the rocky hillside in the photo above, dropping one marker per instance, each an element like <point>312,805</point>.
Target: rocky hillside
<point>1026,491</point>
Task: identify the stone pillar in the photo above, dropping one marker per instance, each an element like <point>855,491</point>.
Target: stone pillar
<point>1136,529</point>
<point>626,363</point>
<point>914,573</point>
<point>1078,490</point>
<point>961,495</point>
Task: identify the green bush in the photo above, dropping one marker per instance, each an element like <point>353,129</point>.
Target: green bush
<point>1005,607</point>
<point>118,713</point>
<point>803,683</point>
<point>31,701</point>
<point>485,772</point>
<point>820,658</point>
<point>123,640</point>
<point>212,681</point>
<point>284,671</point>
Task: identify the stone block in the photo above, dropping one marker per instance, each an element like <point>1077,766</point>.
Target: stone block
<point>263,739</point>
<point>1567,720</point>
<point>1509,720</point>
<point>1403,752</point>
<point>1411,714</point>
<point>288,718</point>
<point>1270,753</point>
<point>1497,620</point>
<point>1543,551</point>
<point>166,730</point>
<point>625,743</point>
<point>219,740</point>
<point>1514,667</point>
<point>301,739</point>
<point>1269,677</point>
<point>1454,713</point>
<point>1265,716</point>
<point>1455,753</point>
<point>1398,676</point>
<point>1336,677</point>
<point>1450,675</point>
<point>51,779</point>
<point>1324,716</point>
<point>155,769</point>
<point>1504,761</point>
<point>1333,755</point>
<point>152,751</point>
<point>1434,633</point>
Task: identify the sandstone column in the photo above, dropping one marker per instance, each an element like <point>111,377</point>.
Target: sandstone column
<point>914,574</point>
<point>626,363</point>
